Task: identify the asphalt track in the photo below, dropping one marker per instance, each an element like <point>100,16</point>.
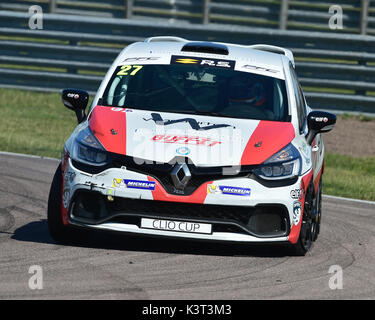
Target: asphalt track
<point>122,267</point>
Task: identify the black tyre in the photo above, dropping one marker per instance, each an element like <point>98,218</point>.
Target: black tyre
<point>58,231</point>
<point>318,212</point>
<point>308,227</point>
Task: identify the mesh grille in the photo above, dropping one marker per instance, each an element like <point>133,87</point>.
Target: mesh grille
<point>236,214</point>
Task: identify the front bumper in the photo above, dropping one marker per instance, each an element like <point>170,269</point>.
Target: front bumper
<point>239,209</point>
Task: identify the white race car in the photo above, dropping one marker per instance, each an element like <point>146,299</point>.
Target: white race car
<point>197,140</point>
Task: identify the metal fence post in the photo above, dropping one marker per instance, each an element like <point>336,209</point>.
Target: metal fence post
<point>129,9</point>
<point>364,15</point>
<point>52,6</point>
<point>206,12</point>
<point>284,7</point>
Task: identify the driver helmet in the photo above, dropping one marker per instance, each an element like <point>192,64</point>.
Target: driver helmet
<point>247,89</point>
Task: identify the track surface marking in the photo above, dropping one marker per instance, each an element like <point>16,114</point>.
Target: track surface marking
<point>120,267</point>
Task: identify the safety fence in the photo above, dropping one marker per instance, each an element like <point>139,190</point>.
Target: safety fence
<point>358,16</point>
<point>337,71</point>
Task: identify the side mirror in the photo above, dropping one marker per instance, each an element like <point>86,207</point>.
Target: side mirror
<point>319,122</point>
<point>77,101</point>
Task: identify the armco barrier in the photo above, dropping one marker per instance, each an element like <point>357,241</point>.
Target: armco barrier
<point>337,71</point>
<point>313,15</point>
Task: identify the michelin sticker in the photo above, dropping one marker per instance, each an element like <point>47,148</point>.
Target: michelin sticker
<point>236,191</point>
<point>134,184</point>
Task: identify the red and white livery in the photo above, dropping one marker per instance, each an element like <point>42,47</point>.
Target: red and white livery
<point>198,140</point>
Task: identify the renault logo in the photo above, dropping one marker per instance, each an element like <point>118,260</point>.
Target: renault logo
<point>180,175</point>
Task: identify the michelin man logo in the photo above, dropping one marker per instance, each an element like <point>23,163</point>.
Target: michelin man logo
<point>211,188</point>
<point>117,183</point>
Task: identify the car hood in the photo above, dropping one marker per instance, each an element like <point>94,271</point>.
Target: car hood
<point>204,140</point>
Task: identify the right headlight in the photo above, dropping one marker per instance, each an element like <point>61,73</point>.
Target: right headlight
<point>87,149</point>
<point>282,165</point>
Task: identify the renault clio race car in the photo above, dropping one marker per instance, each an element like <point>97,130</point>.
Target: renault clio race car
<point>197,140</point>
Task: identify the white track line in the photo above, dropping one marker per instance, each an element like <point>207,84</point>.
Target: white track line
<point>349,199</point>
<point>22,155</point>
<point>54,159</point>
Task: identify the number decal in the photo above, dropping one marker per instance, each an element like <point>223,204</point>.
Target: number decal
<point>136,69</point>
<point>125,69</point>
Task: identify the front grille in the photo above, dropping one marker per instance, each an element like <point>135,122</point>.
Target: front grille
<point>261,220</point>
<point>178,210</point>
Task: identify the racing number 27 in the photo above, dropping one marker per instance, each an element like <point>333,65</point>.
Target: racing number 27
<point>125,70</point>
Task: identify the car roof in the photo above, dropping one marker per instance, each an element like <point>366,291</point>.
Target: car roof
<point>258,55</point>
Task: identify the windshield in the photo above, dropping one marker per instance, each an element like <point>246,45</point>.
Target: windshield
<point>197,89</point>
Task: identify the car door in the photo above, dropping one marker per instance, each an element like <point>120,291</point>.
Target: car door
<point>302,111</point>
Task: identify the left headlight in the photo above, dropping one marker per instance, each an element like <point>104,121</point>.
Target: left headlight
<point>87,149</point>
<point>282,165</point>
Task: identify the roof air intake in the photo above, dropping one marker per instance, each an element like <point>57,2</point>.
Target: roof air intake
<point>206,47</point>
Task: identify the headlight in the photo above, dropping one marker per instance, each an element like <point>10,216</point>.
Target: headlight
<point>87,149</point>
<point>282,165</point>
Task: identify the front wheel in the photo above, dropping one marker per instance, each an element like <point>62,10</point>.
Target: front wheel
<point>58,231</point>
<point>308,227</point>
<point>318,210</point>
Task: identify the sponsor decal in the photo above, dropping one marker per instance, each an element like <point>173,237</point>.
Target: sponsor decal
<point>69,177</point>
<point>296,193</point>
<point>257,68</point>
<point>110,191</point>
<point>73,95</point>
<point>66,197</point>
<point>157,118</point>
<point>118,109</point>
<point>297,211</point>
<point>236,191</point>
<point>118,183</point>
<point>198,141</point>
<point>114,132</point>
<point>219,63</point>
<point>134,184</point>
<point>137,59</point>
<point>320,119</point>
<point>110,194</point>
<point>183,151</point>
<point>186,61</point>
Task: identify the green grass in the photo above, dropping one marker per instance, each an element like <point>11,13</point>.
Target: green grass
<point>360,117</point>
<point>38,123</point>
<point>34,123</point>
<point>349,177</point>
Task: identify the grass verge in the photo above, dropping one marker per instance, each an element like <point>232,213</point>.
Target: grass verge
<point>349,177</point>
<point>38,124</point>
<point>34,123</point>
